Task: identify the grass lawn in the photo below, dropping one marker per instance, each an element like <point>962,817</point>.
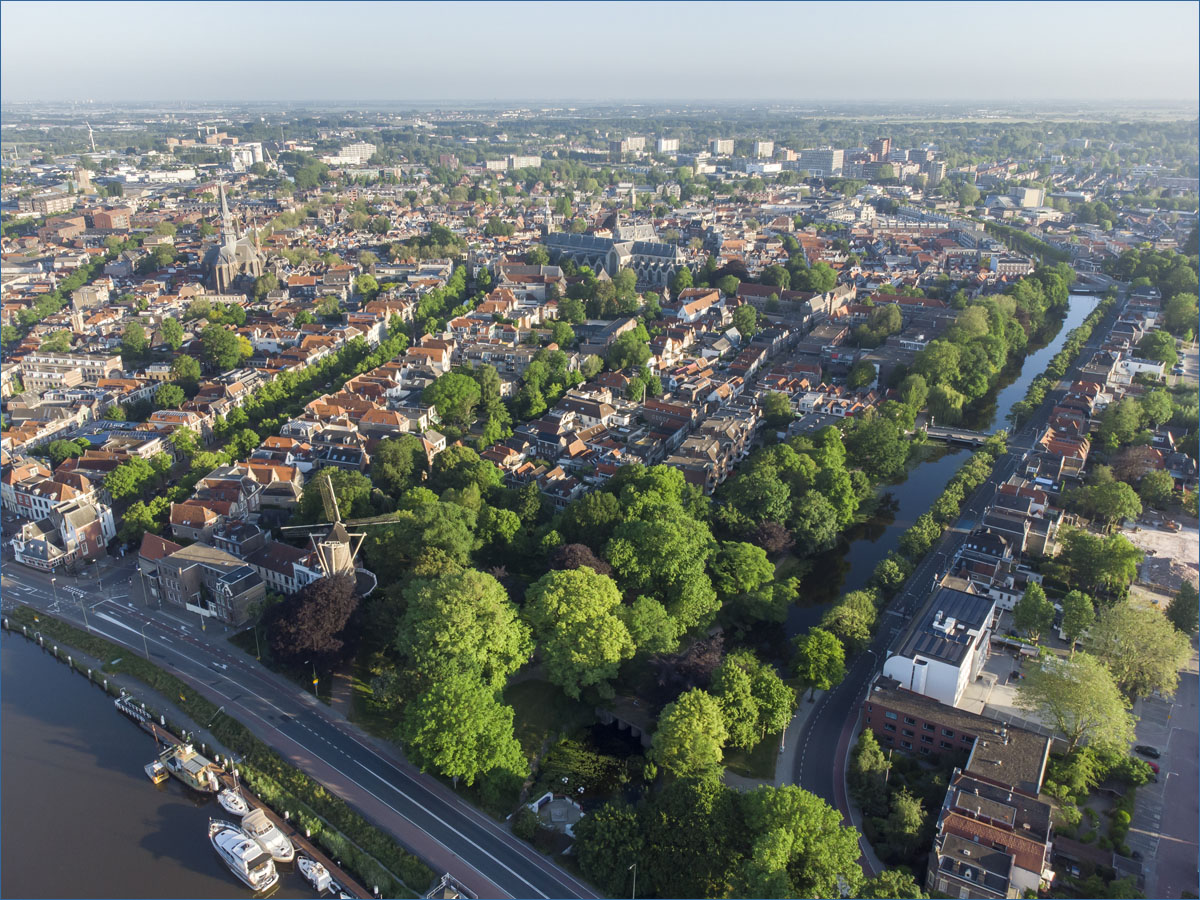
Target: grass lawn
<point>544,711</point>
<point>758,763</point>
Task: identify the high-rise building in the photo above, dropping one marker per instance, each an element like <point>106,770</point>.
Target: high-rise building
<point>627,145</point>
<point>764,149</point>
<point>720,146</point>
<point>880,148</point>
<point>666,145</point>
<point>823,163</point>
<point>361,150</point>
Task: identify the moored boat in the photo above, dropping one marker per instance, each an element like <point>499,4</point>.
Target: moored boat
<point>314,873</point>
<point>257,826</point>
<point>245,857</point>
<point>194,770</point>
<point>156,772</point>
<point>233,802</point>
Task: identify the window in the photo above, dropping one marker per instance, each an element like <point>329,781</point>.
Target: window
<point>907,732</point>
<point>907,745</point>
<point>967,739</point>
<point>946,732</point>
<point>946,745</point>
<point>888,739</point>
<point>924,749</point>
<point>926,739</point>
<point>889,715</point>
<point>927,726</point>
<point>888,727</point>
<point>909,720</point>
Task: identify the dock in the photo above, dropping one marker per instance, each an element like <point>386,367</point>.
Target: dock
<point>304,845</point>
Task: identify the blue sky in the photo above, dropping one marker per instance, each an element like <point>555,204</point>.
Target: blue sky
<point>599,51</point>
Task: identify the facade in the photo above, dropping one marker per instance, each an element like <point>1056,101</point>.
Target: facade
<point>209,582</point>
<point>666,145</point>
<point>720,146</point>
<point>75,531</point>
<point>763,149</point>
<point>823,163</point>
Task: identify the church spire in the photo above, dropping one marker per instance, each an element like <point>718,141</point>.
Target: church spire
<point>228,235</point>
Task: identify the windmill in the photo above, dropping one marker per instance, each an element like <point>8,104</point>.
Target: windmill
<point>335,545</point>
<point>91,137</point>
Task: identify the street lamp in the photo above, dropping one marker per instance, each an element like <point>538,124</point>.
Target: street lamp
<point>314,665</point>
<point>54,586</point>
<point>633,868</point>
<point>145,643</point>
<point>145,599</point>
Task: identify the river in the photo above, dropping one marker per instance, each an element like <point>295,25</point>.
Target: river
<point>80,818</point>
<point>848,566</point>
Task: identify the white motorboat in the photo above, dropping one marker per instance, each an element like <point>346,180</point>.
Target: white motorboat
<point>314,873</point>
<point>256,825</point>
<point>245,857</point>
<point>339,892</point>
<point>233,802</point>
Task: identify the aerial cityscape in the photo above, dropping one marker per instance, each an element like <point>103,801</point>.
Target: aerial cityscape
<point>456,465</point>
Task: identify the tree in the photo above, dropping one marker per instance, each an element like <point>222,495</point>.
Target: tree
<point>1156,488</point>
<point>681,280</point>
<point>1077,617</point>
<point>573,556</point>
<point>905,822</point>
<point>777,409</point>
<point>691,735</point>
<point>60,451</point>
<point>223,349</point>
<point>1160,346</point>
<point>172,334</point>
<point>185,371</point>
<point>867,774</point>
<point>892,884</point>
<point>459,728</point>
<point>851,619</point>
<point>1097,564</point>
<point>814,522</point>
<point>1141,648</point>
<point>608,843</point>
<point>454,396</point>
<point>820,661</point>
<point>628,351</point>
<point>1033,613</point>
<point>800,839</point>
<point>169,396</point>
<point>1080,697</point>
<point>581,638</point>
<point>1184,609</point>
<point>877,445</point>
<point>1157,407</point>
<point>862,374</point>
<point>731,687</point>
<point>462,623</point>
<point>728,285</point>
<point>1111,501</point>
<point>1181,314</point>
<point>310,624</point>
<point>740,568</point>
<point>398,463</point>
<point>134,342</point>
<point>352,491</point>
<point>745,320</point>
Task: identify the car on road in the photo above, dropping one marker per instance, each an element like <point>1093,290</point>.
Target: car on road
<point>1147,751</point>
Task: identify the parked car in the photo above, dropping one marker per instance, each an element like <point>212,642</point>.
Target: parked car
<point>1153,767</point>
<point>1147,751</point>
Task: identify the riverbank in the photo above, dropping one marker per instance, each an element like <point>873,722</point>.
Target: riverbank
<point>372,856</point>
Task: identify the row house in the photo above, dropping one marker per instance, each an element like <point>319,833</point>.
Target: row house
<point>201,579</point>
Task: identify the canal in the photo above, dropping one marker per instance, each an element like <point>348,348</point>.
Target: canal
<point>849,565</point>
<point>80,818</point>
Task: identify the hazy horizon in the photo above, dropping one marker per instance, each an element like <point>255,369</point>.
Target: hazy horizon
<point>592,53</point>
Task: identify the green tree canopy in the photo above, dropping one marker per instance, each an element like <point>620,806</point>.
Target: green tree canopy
<point>581,638</point>
<point>1141,648</point>
<point>1184,609</point>
<point>820,661</point>
<point>1080,697</point>
<point>454,396</point>
<point>1033,613</point>
<point>691,735</point>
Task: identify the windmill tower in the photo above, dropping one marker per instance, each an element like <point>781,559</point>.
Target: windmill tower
<point>91,136</point>
<point>335,545</point>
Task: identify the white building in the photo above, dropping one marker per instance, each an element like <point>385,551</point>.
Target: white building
<point>720,146</point>
<point>946,648</point>
<point>667,145</point>
<point>764,149</point>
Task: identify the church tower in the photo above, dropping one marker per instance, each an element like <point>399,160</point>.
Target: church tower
<point>228,233</point>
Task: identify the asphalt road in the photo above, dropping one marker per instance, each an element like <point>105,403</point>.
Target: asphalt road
<point>824,740</point>
<point>420,812</point>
